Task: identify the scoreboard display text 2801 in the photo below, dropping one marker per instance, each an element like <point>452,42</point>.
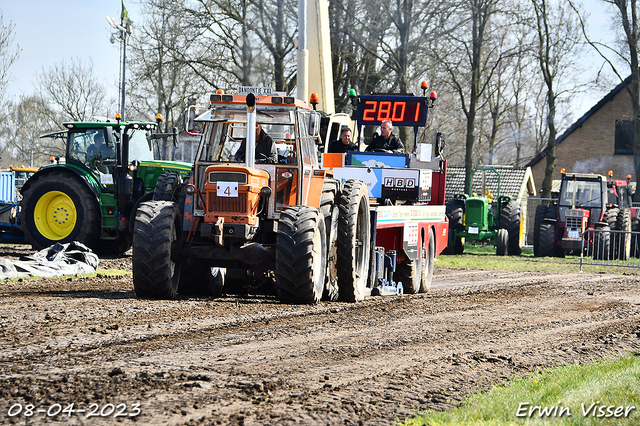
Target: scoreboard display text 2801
<point>401,110</point>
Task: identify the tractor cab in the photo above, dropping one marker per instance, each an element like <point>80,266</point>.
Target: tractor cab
<point>240,191</point>
<point>587,192</point>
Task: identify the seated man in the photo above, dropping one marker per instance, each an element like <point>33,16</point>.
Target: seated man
<point>387,142</point>
<point>343,144</point>
<point>266,151</point>
<point>98,150</point>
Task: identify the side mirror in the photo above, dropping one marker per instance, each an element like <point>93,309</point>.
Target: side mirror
<point>108,136</point>
<point>189,119</point>
<point>176,141</point>
<point>314,124</point>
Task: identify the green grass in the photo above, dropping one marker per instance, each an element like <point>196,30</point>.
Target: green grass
<point>484,257</point>
<point>607,382</point>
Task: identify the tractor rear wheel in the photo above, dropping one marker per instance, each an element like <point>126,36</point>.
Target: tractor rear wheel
<point>502,242</point>
<point>622,242</point>
<point>329,208</point>
<point>547,239</point>
<point>610,217</point>
<point>60,208</point>
<point>354,241</point>
<point>167,186</point>
<point>511,220</point>
<point>155,272</point>
<point>301,255</point>
<point>455,214</point>
<point>541,212</point>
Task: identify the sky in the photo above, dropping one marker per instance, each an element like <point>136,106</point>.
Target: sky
<point>50,31</point>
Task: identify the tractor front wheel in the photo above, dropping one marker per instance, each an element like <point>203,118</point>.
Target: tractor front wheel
<point>301,255</point>
<point>502,242</point>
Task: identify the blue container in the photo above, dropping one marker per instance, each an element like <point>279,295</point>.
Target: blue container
<point>8,187</point>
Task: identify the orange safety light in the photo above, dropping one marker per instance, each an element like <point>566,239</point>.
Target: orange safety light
<point>313,99</point>
<point>424,85</point>
<point>628,177</point>
<point>52,159</point>
<point>563,171</point>
<point>433,96</point>
<point>610,173</point>
<point>159,117</point>
<point>118,116</point>
<point>219,92</point>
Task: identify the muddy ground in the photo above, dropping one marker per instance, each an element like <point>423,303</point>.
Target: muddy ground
<point>251,360</point>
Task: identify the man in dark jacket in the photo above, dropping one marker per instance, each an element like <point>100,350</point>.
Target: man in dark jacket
<point>266,151</point>
<point>343,144</point>
<point>387,142</point>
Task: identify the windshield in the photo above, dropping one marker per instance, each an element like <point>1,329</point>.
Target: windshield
<point>224,140</point>
<point>88,147</point>
<point>587,193</point>
<point>139,146</point>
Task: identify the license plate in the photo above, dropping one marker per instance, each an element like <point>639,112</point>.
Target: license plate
<point>573,234</point>
<point>227,189</point>
<point>474,230</point>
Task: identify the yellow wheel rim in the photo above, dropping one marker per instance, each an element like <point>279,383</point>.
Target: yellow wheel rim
<point>55,215</point>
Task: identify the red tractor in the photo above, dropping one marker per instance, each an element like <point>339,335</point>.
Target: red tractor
<point>586,201</point>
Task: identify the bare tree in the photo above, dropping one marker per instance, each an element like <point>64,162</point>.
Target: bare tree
<point>8,54</point>
<point>160,82</point>
<point>73,90</point>
<point>627,16</point>
<point>557,42</point>
<point>25,121</point>
<point>470,60</point>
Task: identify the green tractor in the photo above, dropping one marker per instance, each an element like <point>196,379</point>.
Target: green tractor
<point>92,194</point>
<point>485,218</point>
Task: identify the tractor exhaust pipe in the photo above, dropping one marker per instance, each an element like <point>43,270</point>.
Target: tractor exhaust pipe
<point>250,154</point>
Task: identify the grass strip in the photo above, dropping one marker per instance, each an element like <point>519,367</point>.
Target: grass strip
<point>602,393</point>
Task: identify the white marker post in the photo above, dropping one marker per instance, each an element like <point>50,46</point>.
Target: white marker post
<point>250,146</point>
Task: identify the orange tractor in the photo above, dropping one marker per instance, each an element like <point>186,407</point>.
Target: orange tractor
<point>237,222</point>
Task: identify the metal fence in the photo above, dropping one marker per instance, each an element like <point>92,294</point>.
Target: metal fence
<point>611,248</point>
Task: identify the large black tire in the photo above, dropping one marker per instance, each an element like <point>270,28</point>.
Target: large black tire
<point>60,208</point>
<point>622,241</point>
<point>502,242</point>
<point>511,220</point>
<point>427,269</point>
<point>547,239</point>
<point>541,212</point>
<point>329,208</point>
<point>354,241</point>
<point>602,242</point>
<point>408,275</point>
<point>301,255</point>
<point>155,273</point>
<point>455,213</point>
<point>167,186</point>
<point>610,217</point>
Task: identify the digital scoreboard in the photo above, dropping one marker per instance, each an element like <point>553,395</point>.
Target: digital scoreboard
<point>401,110</point>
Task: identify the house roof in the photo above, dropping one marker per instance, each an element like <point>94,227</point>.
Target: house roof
<point>516,182</point>
<point>581,120</point>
